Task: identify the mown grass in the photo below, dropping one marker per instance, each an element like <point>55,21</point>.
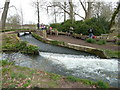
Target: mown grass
<point>22,77</point>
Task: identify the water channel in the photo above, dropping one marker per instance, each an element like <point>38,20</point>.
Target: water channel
<point>66,62</point>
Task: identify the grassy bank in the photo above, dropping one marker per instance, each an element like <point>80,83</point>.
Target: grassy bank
<point>112,54</point>
<point>22,77</point>
<point>10,42</point>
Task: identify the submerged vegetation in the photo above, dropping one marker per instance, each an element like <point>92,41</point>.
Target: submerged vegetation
<point>23,77</point>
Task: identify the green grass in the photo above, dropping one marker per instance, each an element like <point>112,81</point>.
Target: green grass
<point>57,42</point>
<point>36,36</point>
<point>11,43</point>
<point>99,84</point>
<point>89,40</point>
<point>55,76</point>
<point>72,79</point>
<point>22,77</point>
<point>101,42</point>
<point>22,47</point>
<point>5,62</point>
<point>112,54</point>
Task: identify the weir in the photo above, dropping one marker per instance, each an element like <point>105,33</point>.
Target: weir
<point>67,62</point>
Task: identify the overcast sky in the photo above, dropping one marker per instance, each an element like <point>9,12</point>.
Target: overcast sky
<point>30,16</point>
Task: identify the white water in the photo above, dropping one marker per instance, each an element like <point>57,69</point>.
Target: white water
<point>86,66</point>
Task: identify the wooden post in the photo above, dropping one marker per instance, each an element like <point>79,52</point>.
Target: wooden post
<point>44,33</point>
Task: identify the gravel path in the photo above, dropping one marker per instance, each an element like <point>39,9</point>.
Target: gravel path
<point>72,40</point>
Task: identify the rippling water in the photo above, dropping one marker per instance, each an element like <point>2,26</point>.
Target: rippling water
<point>71,62</point>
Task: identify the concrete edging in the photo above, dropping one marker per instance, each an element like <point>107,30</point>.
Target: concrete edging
<point>87,49</point>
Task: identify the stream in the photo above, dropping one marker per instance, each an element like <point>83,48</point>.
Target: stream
<point>67,62</point>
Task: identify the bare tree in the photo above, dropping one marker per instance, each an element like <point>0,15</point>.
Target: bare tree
<point>4,14</point>
<point>102,9</point>
<point>86,10</point>
<point>71,14</point>
<point>117,11</point>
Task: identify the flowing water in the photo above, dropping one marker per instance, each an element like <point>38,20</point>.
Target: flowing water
<point>66,62</point>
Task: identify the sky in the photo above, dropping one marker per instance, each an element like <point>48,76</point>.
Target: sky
<point>29,12</point>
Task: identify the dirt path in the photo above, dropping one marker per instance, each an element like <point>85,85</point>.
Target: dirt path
<point>72,40</point>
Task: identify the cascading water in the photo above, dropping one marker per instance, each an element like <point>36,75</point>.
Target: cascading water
<point>68,62</point>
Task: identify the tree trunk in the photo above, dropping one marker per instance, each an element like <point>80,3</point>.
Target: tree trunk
<point>71,11</point>
<point>114,15</point>
<point>64,11</point>
<point>4,14</point>
<point>88,14</point>
<point>55,15</point>
<point>38,24</point>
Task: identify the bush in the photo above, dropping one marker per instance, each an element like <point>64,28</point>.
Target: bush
<point>89,40</point>
<point>100,26</point>
<point>57,26</point>
<point>101,42</point>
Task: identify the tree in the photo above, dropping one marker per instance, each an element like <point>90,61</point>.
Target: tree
<point>86,10</point>
<point>117,10</point>
<point>102,9</point>
<point>71,14</point>
<point>14,20</point>
<point>4,14</point>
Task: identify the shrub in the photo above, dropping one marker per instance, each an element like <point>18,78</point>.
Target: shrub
<point>101,42</point>
<point>100,26</point>
<point>89,40</point>
<point>57,26</point>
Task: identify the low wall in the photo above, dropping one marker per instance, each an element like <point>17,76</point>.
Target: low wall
<point>87,49</point>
